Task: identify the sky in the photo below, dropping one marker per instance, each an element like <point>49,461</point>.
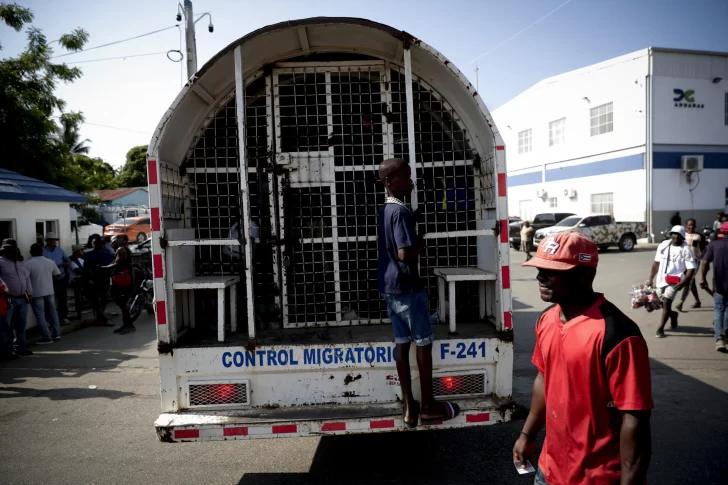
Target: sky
<point>124,99</point>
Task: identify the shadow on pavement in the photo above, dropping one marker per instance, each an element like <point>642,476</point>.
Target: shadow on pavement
<point>690,331</point>
<point>62,394</point>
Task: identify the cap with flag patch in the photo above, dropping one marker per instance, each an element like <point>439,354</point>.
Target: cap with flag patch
<point>564,251</point>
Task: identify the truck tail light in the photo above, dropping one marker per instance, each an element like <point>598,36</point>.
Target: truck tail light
<point>459,385</point>
<point>219,394</point>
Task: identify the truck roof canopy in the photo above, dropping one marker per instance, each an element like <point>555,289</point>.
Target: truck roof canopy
<point>287,40</point>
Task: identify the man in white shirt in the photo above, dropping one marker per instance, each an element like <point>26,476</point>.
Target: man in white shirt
<point>42,273</point>
<point>674,266</point>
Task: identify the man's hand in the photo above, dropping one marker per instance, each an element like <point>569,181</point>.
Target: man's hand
<point>651,283</point>
<point>704,285</point>
<point>523,450</point>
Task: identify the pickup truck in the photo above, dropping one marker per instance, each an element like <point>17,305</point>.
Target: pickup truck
<point>601,228</point>
<point>546,219</point>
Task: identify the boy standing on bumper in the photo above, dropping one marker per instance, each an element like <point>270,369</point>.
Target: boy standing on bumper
<point>400,285</point>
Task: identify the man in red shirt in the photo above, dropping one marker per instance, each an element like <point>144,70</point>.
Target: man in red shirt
<point>593,389</point>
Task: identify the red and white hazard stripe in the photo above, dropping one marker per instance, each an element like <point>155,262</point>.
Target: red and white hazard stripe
<point>158,265</point>
<point>317,428</point>
<point>504,249</point>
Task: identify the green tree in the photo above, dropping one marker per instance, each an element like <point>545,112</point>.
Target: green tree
<point>85,174</point>
<point>28,133</point>
<point>134,172</point>
<point>68,138</point>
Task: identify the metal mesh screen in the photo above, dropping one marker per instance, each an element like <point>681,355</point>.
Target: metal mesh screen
<point>218,394</point>
<point>468,384</point>
<point>315,138</point>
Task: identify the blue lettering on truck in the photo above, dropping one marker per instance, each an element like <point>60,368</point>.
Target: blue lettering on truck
<point>344,355</point>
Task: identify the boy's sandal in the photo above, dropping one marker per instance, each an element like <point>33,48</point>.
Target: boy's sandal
<point>415,411</point>
<point>451,410</point>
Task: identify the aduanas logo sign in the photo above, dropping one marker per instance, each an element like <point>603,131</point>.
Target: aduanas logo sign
<point>685,99</point>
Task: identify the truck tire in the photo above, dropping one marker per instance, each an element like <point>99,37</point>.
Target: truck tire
<point>627,243</point>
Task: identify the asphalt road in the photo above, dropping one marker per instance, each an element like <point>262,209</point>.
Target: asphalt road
<point>55,428</point>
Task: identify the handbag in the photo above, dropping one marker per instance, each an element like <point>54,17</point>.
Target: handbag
<point>121,279</point>
<point>671,279</point>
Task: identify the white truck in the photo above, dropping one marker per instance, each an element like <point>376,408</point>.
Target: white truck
<point>600,228</point>
<point>278,330</point>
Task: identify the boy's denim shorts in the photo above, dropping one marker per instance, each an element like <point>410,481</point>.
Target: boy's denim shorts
<point>410,315</point>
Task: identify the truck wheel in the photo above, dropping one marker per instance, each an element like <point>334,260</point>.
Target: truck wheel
<point>626,244</point>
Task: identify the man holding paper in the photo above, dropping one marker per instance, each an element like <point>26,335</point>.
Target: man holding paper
<point>593,389</point>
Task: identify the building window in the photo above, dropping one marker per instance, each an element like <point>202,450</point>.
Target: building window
<point>602,203</point>
<point>602,120</point>
<point>552,202</point>
<point>44,227</point>
<point>557,132</point>
<point>7,229</point>
<point>524,210</point>
<point>524,141</point>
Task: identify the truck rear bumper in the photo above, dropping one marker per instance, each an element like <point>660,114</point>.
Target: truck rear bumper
<point>317,420</point>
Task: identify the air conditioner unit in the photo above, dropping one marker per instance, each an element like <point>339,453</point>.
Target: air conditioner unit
<point>692,163</point>
<point>570,193</point>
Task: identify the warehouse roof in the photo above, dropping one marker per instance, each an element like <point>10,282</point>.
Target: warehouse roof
<point>108,195</point>
<point>14,186</point>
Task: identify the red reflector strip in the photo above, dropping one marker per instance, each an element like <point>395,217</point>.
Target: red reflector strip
<point>155,219</point>
<point>285,428</point>
<point>507,320</point>
<point>500,147</point>
<point>504,231</point>
<point>385,423</point>
<point>161,313</point>
<point>501,185</point>
<point>333,427</point>
<point>235,431</point>
<point>181,434</point>
<point>506,276</point>
<point>477,418</point>
<point>158,271</point>
<point>152,171</point>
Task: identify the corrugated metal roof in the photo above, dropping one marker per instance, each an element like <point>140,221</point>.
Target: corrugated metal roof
<point>106,195</point>
<point>14,186</point>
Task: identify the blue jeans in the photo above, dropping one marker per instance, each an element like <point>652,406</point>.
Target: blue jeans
<point>42,306</point>
<point>720,320</point>
<point>410,315</point>
<point>6,336</point>
<point>540,478</point>
<point>17,319</point>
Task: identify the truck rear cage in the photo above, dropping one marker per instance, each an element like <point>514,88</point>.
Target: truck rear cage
<point>315,135</point>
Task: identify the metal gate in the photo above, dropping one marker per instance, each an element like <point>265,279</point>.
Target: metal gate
<point>315,135</point>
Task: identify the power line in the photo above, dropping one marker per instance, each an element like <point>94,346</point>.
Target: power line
<point>116,128</point>
<point>521,31</point>
<point>116,42</point>
<point>120,57</point>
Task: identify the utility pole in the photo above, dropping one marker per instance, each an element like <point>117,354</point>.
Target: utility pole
<point>190,41</point>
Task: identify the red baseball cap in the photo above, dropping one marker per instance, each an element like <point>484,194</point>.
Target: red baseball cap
<point>564,251</point>
<point>724,227</point>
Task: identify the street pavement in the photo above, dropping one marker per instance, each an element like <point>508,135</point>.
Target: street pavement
<point>81,411</point>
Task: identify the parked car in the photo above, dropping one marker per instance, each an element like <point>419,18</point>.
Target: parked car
<point>141,254</point>
<point>546,219</point>
<point>136,228</point>
<point>602,229</point>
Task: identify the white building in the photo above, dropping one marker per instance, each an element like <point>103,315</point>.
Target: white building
<point>615,137</point>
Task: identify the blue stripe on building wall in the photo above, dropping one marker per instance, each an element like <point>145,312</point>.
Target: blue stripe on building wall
<point>673,159</point>
<point>602,167</point>
<point>524,179</point>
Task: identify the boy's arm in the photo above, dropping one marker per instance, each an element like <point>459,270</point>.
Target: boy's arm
<point>409,245</point>
<point>410,254</point>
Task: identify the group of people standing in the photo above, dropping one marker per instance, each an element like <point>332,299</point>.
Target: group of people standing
<point>42,282</point>
<point>675,270</point>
